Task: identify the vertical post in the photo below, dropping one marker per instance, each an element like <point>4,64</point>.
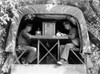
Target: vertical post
<point>58,49</point>
<point>38,51</point>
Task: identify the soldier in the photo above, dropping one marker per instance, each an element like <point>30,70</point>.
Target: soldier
<point>24,43</point>
<point>74,42</point>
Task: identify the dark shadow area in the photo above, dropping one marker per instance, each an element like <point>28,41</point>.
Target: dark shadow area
<point>94,40</point>
<point>72,59</point>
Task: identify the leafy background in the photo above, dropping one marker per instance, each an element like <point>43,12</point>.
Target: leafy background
<point>90,9</point>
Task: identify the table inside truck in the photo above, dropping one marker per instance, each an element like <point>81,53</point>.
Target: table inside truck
<point>39,39</point>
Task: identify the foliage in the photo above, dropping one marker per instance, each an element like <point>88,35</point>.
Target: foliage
<point>95,58</point>
<point>7,12</point>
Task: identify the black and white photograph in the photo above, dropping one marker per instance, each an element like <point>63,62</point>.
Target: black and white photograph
<point>49,36</point>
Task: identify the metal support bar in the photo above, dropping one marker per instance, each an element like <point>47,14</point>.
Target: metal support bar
<point>58,49</point>
<point>38,51</point>
<point>77,56</point>
<point>48,52</point>
<point>20,56</point>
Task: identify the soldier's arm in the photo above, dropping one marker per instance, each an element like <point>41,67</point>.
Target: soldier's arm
<point>26,34</point>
